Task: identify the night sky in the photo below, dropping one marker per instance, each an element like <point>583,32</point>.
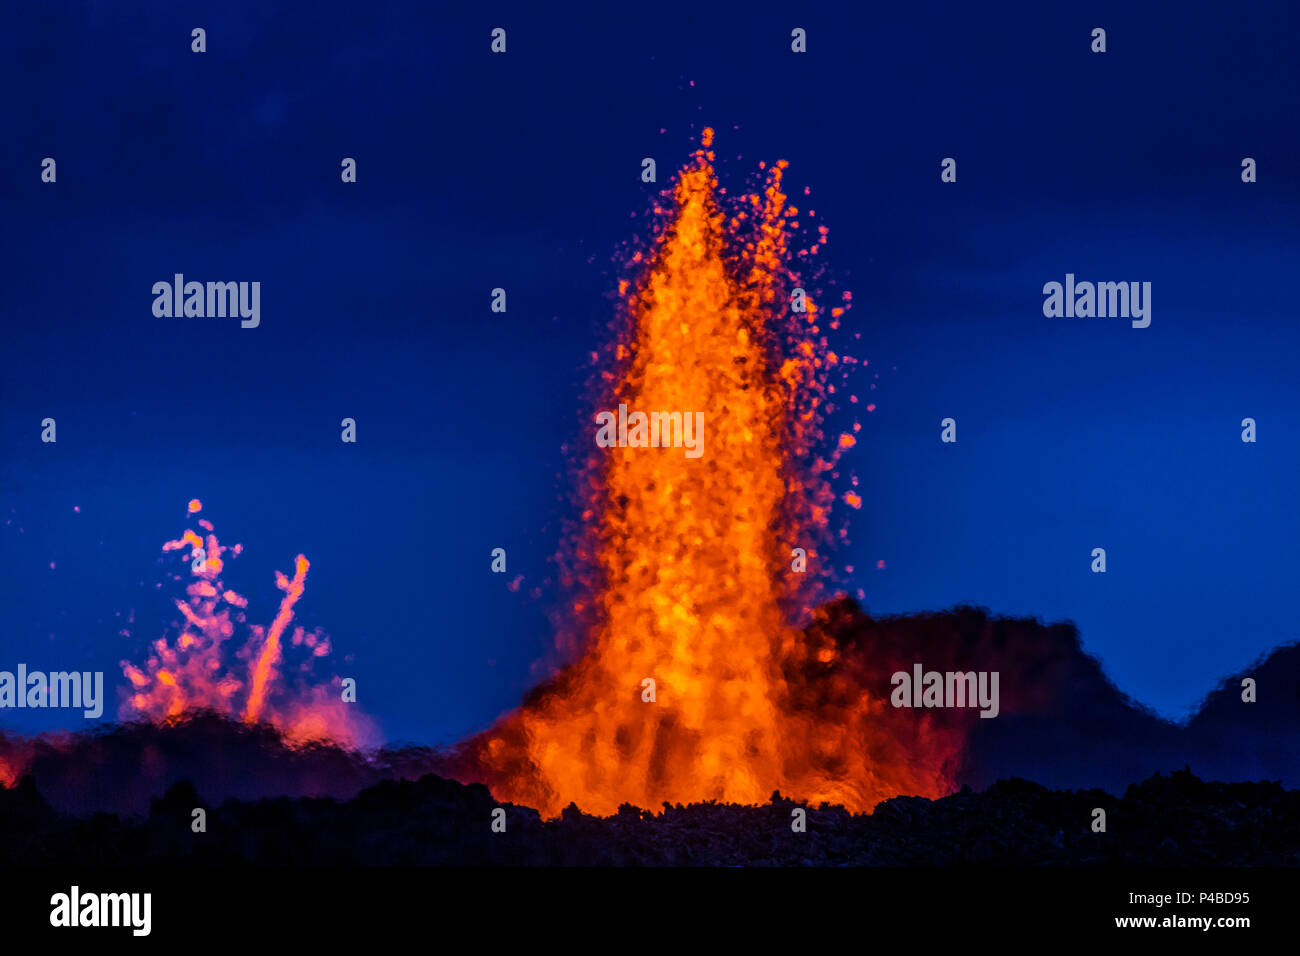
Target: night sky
<point>523,171</point>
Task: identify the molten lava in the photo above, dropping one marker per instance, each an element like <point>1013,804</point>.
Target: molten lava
<point>689,565</point>
<point>194,671</point>
<point>704,672</point>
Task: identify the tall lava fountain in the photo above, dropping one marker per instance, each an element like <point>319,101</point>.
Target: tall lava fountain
<point>688,567</point>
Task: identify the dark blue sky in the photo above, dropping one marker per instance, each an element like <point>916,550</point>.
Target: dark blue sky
<point>522,171</point>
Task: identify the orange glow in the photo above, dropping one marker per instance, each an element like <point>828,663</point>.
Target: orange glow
<point>686,564</point>
<point>195,671</point>
<point>264,669</point>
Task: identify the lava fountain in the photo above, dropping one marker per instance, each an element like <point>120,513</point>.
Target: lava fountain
<point>214,662</point>
<point>196,671</point>
<point>686,568</point>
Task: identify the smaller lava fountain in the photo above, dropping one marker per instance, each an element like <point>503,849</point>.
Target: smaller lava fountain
<point>194,671</point>
<point>217,665</point>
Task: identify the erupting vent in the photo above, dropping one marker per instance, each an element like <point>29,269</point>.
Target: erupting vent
<point>687,565</point>
<point>195,670</point>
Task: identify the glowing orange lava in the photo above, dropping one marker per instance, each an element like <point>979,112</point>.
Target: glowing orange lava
<point>194,671</point>
<point>690,564</point>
